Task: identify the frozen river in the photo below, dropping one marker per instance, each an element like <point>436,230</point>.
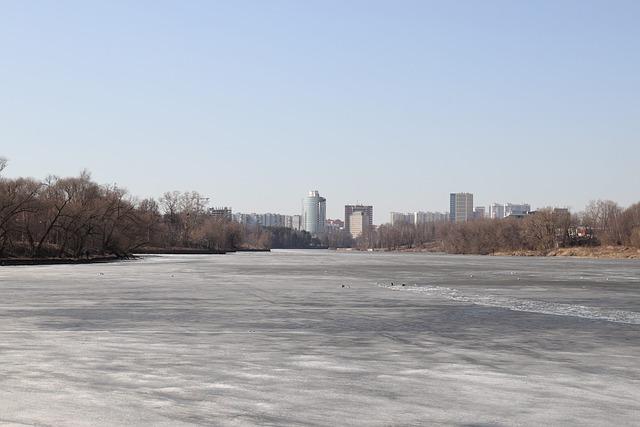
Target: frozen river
<point>275,339</point>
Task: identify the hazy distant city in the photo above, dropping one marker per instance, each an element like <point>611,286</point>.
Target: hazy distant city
<point>359,217</point>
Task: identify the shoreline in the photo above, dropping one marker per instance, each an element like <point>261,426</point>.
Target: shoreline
<point>586,252</point>
<point>58,261</point>
<point>177,251</point>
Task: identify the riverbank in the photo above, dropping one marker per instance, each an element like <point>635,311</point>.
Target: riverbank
<point>177,251</point>
<point>55,261</point>
<point>592,252</point>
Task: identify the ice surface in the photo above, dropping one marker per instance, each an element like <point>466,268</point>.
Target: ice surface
<point>518,304</point>
<point>274,339</point>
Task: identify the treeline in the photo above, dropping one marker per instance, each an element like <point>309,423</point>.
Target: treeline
<point>77,218</point>
<point>547,229</point>
<point>287,238</point>
<point>66,217</point>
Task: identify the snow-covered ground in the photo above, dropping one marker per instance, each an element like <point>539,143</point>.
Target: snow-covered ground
<point>275,339</point>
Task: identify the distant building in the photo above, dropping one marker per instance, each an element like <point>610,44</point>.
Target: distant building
<point>561,211</point>
<point>349,209</point>
<point>269,220</point>
<point>296,222</point>
<point>397,218</point>
<point>288,221</point>
<point>427,217</point>
<point>314,212</point>
<point>511,209</point>
<point>244,219</point>
<point>479,212</point>
<point>499,210</point>
<point>359,222</point>
<point>496,211</point>
<point>460,207</point>
<point>221,212</point>
<point>334,225</point>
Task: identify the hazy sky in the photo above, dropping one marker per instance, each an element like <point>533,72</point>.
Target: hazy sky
<point>394,103</point>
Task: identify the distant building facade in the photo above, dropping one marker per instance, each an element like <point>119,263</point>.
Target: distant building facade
<point>296,222</point>
<point>427,217</point>
<point>479,212</point>
<point>500,210</point>
<point>314,212</point>
<point>496,211</point>
<point>460,207</point>
<point>349,209</point>
<point>334,225</point>
<point>221,212</point>
<point>359,222</point>
<point>518,210</point>
<point>417,218</point>
<point>398,218</point>
<point>269,220</point>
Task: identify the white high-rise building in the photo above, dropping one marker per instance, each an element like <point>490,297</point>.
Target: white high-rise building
<point>314,212</point>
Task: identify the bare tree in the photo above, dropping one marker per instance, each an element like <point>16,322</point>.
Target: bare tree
<point>3,163</point>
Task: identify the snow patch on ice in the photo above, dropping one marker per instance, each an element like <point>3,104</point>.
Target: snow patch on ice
<point>527,305</point>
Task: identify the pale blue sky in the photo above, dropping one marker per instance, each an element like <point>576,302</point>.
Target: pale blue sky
<point>394,103</point>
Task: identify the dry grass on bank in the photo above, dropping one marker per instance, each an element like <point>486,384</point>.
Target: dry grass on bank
<point>613,252</point>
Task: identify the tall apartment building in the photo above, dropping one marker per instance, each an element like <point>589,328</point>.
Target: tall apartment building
<point>460,207</point>
<point>314,212</point>
<point>349,209</point>
<point>359,222</point>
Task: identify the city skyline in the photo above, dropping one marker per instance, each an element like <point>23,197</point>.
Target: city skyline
<point>456,200</point>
